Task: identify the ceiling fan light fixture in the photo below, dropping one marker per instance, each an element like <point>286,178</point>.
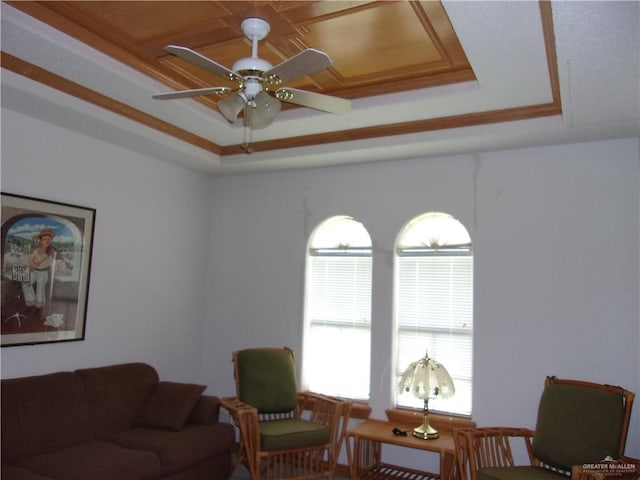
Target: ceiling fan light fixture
<point>252,87</point>
<point>231,107</point>
<point>262,110</point>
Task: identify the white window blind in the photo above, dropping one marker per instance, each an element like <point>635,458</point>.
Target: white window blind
<point>434,314</point>
<point>337,335</point>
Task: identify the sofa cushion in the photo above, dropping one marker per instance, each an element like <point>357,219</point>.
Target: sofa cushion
<point>179,450</point>
<point>206,411</point>
<point>116,393</point>
<point>169,406</point>
<point>97,460</point>
<point>9,472</point>
<point>43,413</point>
<point>215,468</point>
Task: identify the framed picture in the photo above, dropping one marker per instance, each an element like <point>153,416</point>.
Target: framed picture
<point>46,262</point>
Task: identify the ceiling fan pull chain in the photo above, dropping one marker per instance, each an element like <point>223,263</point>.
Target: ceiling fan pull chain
<point>247,139</point>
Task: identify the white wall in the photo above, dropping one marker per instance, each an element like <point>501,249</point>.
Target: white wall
<point>555,234</point>
<point>187,269</point>
<point>148,279</point>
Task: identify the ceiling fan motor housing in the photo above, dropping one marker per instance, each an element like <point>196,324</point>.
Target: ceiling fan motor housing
<point>251,66</point>
<point>255,28</point>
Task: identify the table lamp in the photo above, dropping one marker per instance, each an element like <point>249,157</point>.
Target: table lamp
<point>425,378</point>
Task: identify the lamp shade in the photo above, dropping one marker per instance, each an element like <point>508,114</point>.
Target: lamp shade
<point>231,106</point>
<point>261,111</point>
<point>426,378</point>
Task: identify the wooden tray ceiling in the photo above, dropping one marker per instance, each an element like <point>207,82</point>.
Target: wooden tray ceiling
<point>377,47</point>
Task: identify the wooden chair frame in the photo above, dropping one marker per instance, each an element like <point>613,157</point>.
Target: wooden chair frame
<point>296,464</point>
<point>483,447</point>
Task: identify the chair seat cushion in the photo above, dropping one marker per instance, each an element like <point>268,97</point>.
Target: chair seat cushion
<point>292,433</point>
<point>179,450</point>
<point>518,473</point>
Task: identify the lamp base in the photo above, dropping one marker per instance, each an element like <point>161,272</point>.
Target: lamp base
<point>425,432</point>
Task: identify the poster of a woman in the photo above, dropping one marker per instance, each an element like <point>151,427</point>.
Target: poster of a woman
<point>46,257</point>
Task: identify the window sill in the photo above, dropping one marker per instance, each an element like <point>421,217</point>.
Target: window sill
<point>439,421</point>
<point>360,410</point>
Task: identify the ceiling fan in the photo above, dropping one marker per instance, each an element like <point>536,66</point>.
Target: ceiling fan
<point>259,92</point>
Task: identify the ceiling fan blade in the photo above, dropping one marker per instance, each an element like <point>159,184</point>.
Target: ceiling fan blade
<point>202,61</point>
<point>304,63</point>
<point>192,93</point>
<point>319,101</point>
<point>261,112</point>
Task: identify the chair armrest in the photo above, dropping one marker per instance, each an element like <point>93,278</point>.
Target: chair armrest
<point>308,400</point>
<point>243,414</point>
<point>330,411</point>
<point>206,411</point>
<point>323,409</point>
<point>246,419</point>
<point>483,447</point>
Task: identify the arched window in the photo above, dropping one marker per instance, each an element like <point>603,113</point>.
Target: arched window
<point>337,317</point>
<point>434,304</point>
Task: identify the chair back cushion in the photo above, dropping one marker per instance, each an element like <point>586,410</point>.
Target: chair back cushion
<point>578,424</point>
<point>266,379</point>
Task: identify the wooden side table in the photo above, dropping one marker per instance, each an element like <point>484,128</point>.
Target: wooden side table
<point>365,459</point>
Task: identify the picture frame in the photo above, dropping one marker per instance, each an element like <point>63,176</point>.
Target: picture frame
<point>46,251</point>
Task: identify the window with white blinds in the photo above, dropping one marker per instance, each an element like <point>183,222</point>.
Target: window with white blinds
<point>337,330</point>
<point>434,305</point>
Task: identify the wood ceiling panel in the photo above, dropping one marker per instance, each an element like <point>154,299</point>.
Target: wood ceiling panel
<point>375,40</point>
<point>304,11</point>
<point>376,47</point>
<point>140,21</point>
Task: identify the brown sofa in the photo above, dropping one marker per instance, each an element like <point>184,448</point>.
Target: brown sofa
<point>111,423</point>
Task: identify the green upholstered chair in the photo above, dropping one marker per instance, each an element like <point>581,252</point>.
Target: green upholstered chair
<point>578,423</point>
<point>283,433</point>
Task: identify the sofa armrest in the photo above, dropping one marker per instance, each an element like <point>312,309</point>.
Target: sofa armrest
<point>206,411</point>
